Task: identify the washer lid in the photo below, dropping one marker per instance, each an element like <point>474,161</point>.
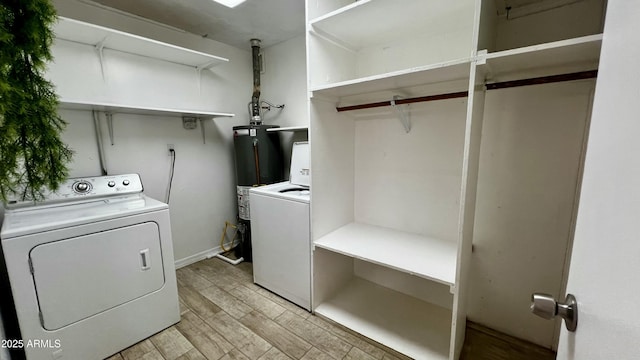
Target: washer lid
<point>42,218</point>
<point>300,173</point>
<point>283,190</point>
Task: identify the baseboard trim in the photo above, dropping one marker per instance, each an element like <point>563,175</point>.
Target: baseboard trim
<point>197,257</point>
<point>524,345</point>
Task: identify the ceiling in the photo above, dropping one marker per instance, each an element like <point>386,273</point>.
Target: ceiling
<point>271,21</point>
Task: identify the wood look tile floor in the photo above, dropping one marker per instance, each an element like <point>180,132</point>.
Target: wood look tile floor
<point>225,316</point>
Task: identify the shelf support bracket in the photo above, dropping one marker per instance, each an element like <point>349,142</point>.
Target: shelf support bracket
<point>204,139</point>
<point>100,50</point>
<point>109,116</point>
<point>403,116</point>
<point>199,69</point>
<point>199,75</point>
<point>332,39</point>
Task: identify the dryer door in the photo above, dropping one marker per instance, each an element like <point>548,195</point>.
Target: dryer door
<point>78,277</point>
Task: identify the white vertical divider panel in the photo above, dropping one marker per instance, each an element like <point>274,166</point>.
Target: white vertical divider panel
<point>468,190</point>
<point>332,272</point>
<point>332,161</point>
<point>473,133</point>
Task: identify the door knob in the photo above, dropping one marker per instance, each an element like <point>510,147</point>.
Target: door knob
<point>547,307</point>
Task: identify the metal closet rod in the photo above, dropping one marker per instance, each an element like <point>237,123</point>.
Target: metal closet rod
<point>493,86</point>
<point>544,80</point>
<point>404,101</point>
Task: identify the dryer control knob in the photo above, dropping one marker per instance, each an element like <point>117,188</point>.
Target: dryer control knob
<point>125,182</point>
<point>111,183</point>
<point>81,187</point>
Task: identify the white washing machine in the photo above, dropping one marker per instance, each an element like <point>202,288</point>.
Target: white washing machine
<point>91,268</point>
<point>280,232</point>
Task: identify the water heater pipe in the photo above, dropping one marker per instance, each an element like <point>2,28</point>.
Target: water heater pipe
<point>255,98</point>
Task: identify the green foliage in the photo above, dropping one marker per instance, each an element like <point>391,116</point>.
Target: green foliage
<point>32,155</point>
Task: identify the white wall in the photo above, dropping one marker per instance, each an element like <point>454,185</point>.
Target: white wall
<point>284,81</point>
<point>411,181</point>
<point>203,193</point>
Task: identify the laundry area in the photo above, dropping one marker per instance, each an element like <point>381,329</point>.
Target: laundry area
<point>328,179</point>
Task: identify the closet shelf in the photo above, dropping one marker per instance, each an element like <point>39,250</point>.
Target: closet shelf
<point>105,38</point>
<point>369,22</point>
<point>429,74</point>
<point>425,257</point>
<point>572,55</point>
<point>404,323</point>
<point>138,110</point>
<point>289,128</point>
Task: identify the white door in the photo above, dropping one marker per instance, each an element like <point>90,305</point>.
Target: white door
<point>605,265</point>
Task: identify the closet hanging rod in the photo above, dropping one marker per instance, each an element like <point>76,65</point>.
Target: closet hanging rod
<point>543,80</point>
<point>404,101</point>
<point>591,74</point>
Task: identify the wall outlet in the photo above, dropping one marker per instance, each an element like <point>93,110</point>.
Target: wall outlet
<point>170,148</point>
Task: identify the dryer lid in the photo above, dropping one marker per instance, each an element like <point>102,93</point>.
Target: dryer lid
<point>300,173</point>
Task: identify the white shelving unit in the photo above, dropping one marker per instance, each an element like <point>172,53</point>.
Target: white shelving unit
<point>139,110</point>
<point>411,326</point>
<point>105,38</point>
<point>289,128</point>
<point>379,270</point>
<point>118,42</point>
<point>109,109</point>
<point>362,39</point>
<point>351,24</point>
<point>427,74</point>
<point>553,48</point>
<point>570,55</point>
<point>392,212</point>
<point>430,258</point>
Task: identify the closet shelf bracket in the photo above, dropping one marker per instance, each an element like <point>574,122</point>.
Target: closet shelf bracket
<point>109,116</point>
<point>204,139</point>
<point>199,70</point>
<point>100,49</point>
<point>403,116</point>
<point>332,39</point>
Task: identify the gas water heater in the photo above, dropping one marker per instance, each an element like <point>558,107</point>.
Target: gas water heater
<point>258,157</point>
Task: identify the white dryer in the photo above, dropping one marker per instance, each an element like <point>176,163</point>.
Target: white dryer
<point>281,241</point>
<point>91,268</point>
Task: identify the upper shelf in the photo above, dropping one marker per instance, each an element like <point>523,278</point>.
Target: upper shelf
<point>289,128</point>
<point>367,22</point>
<point>426,257</point>
<point>94,35</point>
<point>138,110</point>
<point>429,74</point>
<point>576,54</point>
